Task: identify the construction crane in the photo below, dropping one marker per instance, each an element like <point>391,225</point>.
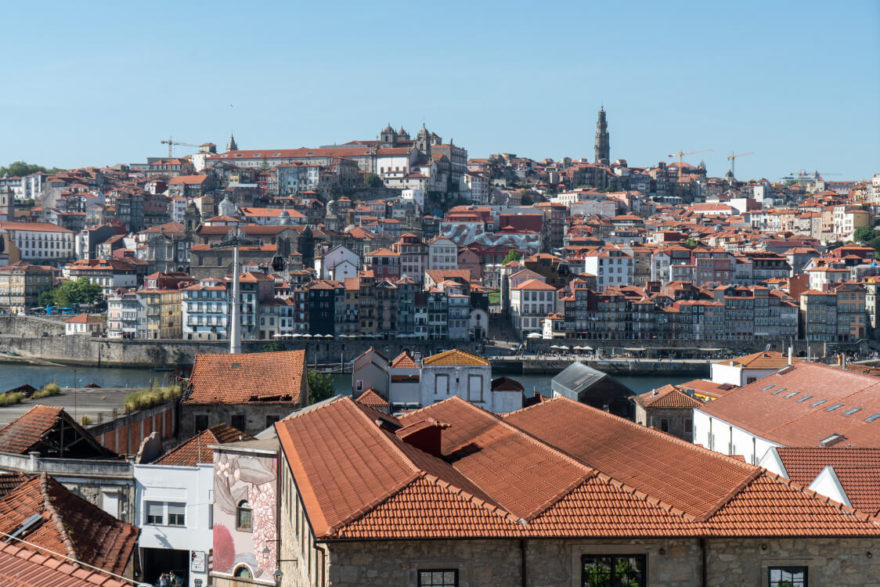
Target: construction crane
<point>681,154</point>
<point>732,159</point>
<point>171,143</point>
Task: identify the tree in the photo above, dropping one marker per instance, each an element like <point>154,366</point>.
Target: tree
<point>79,291</point>
<point>512,255</point>
<point>373,181</point>
<point>20,169</point>
<point>320,386</point>
<point>864,234</point>
<point>874,243</point>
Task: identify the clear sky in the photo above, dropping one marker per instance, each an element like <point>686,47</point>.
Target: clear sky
<point>797,83</point>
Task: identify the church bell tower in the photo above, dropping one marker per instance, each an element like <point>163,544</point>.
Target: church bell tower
<point>603,146</point>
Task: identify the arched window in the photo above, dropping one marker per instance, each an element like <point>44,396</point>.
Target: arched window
<point>244,517</point>
<point>242,571</point>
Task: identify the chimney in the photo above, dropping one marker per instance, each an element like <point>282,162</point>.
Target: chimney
<point>425,435</point>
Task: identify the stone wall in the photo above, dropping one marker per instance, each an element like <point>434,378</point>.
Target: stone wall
<point>671,562</point>
<point>124,435</point>
<point>255,414</point>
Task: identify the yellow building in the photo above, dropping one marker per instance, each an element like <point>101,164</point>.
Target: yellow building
<point>21,284</point>
<point>163,310</point>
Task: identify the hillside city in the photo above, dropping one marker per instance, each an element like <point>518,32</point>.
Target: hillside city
<point>408,237</point>
<point>351,339</point>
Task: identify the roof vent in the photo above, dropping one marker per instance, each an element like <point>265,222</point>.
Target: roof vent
<point>425,435</point>
<point>236,366</point>
<point>27,525</point>
<point>832,440</point>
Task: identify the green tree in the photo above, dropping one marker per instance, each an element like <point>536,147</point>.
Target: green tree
<point>320,386</point>
<point>79,291</point>
<point>512,255</point>
<point>273,346</point>
<point>874,243</point>
<point>373,181</point>
<point>864,234</point>
<point>20,168</point>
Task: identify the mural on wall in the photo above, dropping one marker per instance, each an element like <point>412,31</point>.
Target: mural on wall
<point>244,479</point>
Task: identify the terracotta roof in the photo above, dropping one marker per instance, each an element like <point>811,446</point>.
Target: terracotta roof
<point>84,319</point>
<point>9,481</point>
<point>372,399</point>
<point>803,464</point>
<point>70,526</point>
<point>558,468</point>
<point>404,361</point>
<point>862,487</point>
<point>668,396</point>
<point>26,566</point>
<point>197,449</point>
<point>762,360</point>
<point>249,377</point>
<point>791,407</point>
<point>455,357</point>
<point>20,435</point>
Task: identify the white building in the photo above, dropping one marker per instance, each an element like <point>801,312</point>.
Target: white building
<point>174,507</point>
<point>803,404</point>
<point>41,242</point>
<point>415,195</point>
<point>442,254</point>
<point>610,266</point>
<point>741,371</point>
<point>205,310</point>
<point>530,303</point>
<point>337,264</point>
<point>469,377</point>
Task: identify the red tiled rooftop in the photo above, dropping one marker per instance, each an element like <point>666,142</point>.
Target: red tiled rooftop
<point>27,566</point>
<point>668,396</point>
<point>197,449</point>
<point>71,526</point>
<point>372,399</point>
<point>248,377</point>
<point>20,435</point>
<point>538,472</point>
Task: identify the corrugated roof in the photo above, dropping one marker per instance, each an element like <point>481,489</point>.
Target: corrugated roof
<point>577,377</point>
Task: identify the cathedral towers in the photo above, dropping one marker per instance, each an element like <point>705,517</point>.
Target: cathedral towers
<point>603,146</point>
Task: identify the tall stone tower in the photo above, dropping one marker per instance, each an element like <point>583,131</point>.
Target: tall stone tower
<point>603,146</point>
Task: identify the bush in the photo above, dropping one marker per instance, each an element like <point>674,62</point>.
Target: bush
<point>48,390</point>
<point>147,398</point>
<point>10,399</point>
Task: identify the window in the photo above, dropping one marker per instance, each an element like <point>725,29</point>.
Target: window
<point>608,570</point>
<point>177,514</point>
<point>155,513</point>
<point>475,388</point>
<point>438,578</point>
<point>242,572</point>
<point>238,422</point>
<point>201,422</point>
<point>688,425</point>
<point>441,384</point>
<point>664,425</point>
<point>243,517</point>
<point>787,576</point>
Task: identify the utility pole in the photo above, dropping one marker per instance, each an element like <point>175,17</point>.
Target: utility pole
<point>235,327</point>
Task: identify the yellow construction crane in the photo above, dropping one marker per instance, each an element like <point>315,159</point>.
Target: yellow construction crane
<point>681,154</point>
<point>171,144</point>
<point>732,159</point>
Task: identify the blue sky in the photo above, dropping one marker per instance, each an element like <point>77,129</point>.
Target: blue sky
<point>798,83</point>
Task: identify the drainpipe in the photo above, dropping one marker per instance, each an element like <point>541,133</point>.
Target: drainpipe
<point>704,572</point>
<point>522,562</point>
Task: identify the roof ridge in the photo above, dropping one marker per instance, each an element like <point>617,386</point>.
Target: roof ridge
<point>728,497</point>
<point>56,518</point>
<point>645,497</point>
<point>495,509</point>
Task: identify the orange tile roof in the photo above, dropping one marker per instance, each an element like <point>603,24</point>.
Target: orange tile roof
<point>761,360</point>
<point>372,399</point>
<point>197,449</point>
<point>783,419</point>
<point>71,526</point>
<point>249,377</point>
<point>558,468</point>
<point>20,435</point>
<point>455,357</point>
<point>668,396</point>
<point>25,566</point>
<point>404,361</point>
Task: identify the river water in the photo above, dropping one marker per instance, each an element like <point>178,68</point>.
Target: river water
<point>14,374</point>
